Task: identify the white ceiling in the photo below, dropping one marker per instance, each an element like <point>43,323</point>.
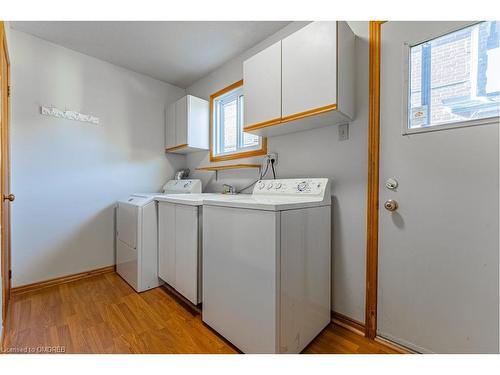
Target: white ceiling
<point>177,52</point>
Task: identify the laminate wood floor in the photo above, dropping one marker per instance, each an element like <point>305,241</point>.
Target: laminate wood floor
<point>103,314</point>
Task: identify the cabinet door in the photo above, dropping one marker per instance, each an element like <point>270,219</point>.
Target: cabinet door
<point>186,252</point>
<point>170,126</point>
<point>262,86</point>
<point>309,70</point>
<point>197,123</point>
<point>181,121</point>
<point>166,242</point>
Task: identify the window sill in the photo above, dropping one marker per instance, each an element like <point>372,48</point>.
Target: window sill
<point>454,125</point>
<point>241,155</point>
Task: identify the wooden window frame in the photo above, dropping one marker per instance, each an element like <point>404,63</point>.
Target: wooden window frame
<point>237,155</point>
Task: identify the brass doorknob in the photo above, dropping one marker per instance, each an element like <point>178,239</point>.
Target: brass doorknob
<point>10,197</point>
<point>391,205</point>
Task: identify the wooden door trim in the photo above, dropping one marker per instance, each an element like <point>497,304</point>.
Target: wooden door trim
<point>373,180</point>
<point>394,346</point>
<point>348,323</point>
<point>5,262</point>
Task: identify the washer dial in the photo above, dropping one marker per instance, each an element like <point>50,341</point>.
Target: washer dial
<point>302,186</point>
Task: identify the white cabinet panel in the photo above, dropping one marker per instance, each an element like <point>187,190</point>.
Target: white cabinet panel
<point>305,276</point>
<point>239,273</point>
<point>187,125</point>
<point>186,252</point>
<point>170,126</point>
<point>166,242</point>
<point>181,121</point>
<point>126,224</point>
<point>178,248</point>
<point>262,86</point>
<point>303,82</point>
<point>197,127</point>
<point>309,68</point>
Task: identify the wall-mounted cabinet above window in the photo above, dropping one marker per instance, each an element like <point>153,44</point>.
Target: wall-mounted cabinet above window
<point>302,82</point>
<point>186,127</point>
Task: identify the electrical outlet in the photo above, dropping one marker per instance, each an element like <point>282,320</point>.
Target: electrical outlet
<point>343,132</point>
<point>272,155</point>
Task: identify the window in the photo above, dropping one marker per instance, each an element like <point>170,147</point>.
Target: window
<point>455,79</point>
<point>228,141</point>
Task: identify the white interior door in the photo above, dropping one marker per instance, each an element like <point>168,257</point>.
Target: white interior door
<point>439,251</point>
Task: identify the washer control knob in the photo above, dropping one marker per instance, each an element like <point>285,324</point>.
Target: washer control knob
<point>261,185</point>
<point>269,187</point>
<point>302,186</point>
<point>278,186</point>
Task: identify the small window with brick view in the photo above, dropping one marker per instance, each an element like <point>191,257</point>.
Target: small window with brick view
<point>228,141</point>
<point>454,80</point>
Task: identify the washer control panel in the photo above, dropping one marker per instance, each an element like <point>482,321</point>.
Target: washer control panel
<point>306,186</point>
<point>182,186</point>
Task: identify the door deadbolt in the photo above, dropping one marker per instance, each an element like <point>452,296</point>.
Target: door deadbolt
<point>391,205</point>
<point>391,183</point>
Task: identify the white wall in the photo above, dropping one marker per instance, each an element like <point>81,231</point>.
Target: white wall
<point>316,153</point>
<point>67,175</point>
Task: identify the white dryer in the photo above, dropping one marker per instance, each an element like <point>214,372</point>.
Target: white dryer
<point>137,234</point>
<point>267,265</point>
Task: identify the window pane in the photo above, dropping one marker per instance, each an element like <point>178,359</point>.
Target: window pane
<point>455,77</point>
<point>227,129</point>
<point>230,126</point>
<point>249,140</point>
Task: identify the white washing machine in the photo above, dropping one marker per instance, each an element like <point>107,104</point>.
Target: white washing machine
<point>267,265</point>
<point>137,234</point>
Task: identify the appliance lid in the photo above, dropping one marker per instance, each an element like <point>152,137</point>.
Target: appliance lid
<point>279,195</point>
<point>268,203</point>
<point>138,200</point>
<point>195,199</point>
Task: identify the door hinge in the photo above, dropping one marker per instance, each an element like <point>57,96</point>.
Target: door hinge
<point>8,91</point>
<point>10,274</point>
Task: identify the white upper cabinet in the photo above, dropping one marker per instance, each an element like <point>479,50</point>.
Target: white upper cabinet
<point>187,123</point>
<point>309,68</point>
<point>262,85</point>
<point>170,126</point>
<point>310,83</point>
<point>181,121</point>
